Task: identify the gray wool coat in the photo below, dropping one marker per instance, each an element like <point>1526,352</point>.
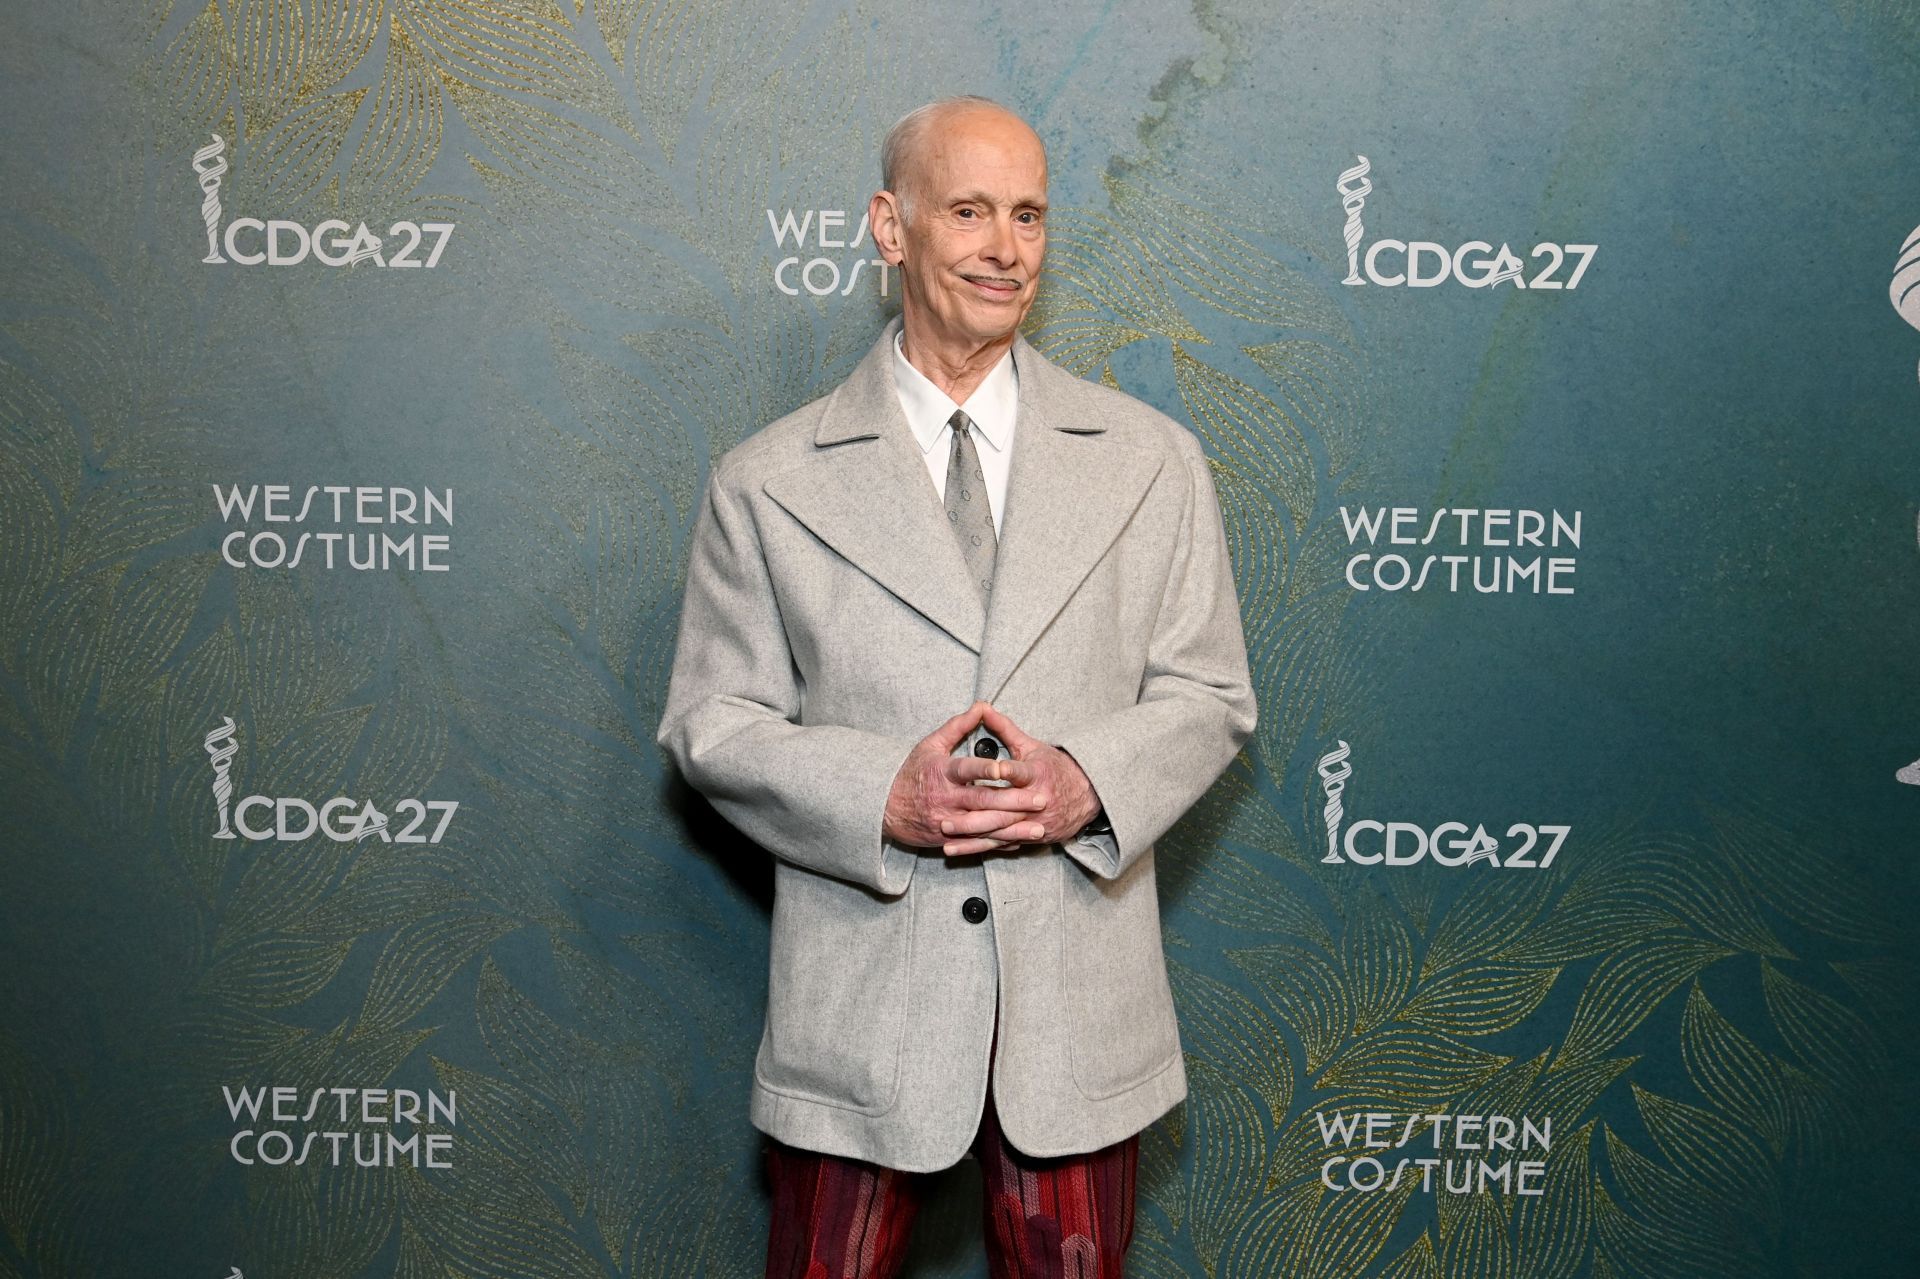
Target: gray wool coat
<point>829,625</point>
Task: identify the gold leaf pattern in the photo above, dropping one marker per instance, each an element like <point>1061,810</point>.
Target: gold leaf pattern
<point>1411,1068</point>
<point>1481,1000</point>
<point>1626,987</point>
<point>416,963</point>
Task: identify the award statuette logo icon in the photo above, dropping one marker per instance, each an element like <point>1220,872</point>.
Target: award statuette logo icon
<point>1904,293</point>
<point>1334,771</point>
<point>221,746</point>
<point>209,162</point>
<point>1353,187</point>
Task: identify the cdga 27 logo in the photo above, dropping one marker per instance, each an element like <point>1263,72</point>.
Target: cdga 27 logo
<point>1422,264</point>
<point>282,242</point>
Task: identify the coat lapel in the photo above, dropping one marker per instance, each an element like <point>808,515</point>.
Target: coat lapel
<point>866,494</point>
<point>1071,491</point>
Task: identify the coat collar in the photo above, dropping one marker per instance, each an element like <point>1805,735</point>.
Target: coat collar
<point>865,493</point>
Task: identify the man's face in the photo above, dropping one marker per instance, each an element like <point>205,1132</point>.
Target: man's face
<point>970,255</point>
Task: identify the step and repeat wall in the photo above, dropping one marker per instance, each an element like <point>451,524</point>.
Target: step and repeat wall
<point>361,363</point>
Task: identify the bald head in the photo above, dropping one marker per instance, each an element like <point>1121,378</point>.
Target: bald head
<point>905,150</point>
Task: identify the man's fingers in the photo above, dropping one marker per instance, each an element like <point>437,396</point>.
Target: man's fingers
<point>1005,837</point>
<point>985,820</point>
<point>1018,771</point>
<point>1007,731</point>
<point>948,735</point>
<point>968,847</point>
<point>1013,800</point>
<point>964,770</point>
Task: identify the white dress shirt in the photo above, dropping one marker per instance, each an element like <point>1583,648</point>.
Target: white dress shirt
<point>993,406</point>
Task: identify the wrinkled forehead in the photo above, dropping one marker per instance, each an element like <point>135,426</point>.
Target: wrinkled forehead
<point>982,149</point>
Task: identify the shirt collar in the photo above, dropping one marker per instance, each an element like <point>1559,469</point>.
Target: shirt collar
<point>992,405</point>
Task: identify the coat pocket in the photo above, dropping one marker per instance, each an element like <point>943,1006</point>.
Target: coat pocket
<point>836,992</point>
<point>1120,1018</point>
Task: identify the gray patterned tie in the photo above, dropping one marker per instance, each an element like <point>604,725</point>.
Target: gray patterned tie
<point>967,508</point>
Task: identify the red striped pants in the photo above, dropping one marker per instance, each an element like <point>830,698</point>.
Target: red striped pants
<point>1070,1217</point>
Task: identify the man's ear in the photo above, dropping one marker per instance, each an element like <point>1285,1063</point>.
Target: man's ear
<point>883,220</point>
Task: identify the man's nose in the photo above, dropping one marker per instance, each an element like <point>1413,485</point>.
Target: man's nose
<point>999,248</point>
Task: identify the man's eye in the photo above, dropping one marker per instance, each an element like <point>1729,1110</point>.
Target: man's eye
<point>964,213</point>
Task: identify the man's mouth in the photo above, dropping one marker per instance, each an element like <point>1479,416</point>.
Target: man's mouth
<point>994,283</point>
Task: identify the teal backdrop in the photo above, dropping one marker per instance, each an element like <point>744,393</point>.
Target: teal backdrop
<point>340,586</point>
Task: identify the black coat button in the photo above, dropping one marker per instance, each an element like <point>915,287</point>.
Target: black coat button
<point>987,748</point>
<point>974,909</point>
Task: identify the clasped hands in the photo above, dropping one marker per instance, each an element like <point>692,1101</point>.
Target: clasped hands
<point>934,803</point>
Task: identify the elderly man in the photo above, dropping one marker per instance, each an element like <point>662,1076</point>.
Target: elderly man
<point>960,643</point>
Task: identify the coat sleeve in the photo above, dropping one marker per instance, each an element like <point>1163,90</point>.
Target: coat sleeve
<point>814,795</point>
<point>1152,761</point>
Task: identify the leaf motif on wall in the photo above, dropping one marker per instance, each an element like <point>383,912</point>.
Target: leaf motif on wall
<point>1376,961</point>
<point>1802,880</point>
<point>628,1126</point>
<point>120,519</point>
<point>1092,260</point>
<point>1225,1028</point>
<point>1476,1247</point>
<point>1675,1220</point>
<point>1247,431</point>
<point>1235,893</point>
<point>492,1222</point>
<point>616,1008</point>
<point>1633,1248</point>
<point>517,1127</point>
<point>1551,1230</point>
<point>1479,922</point>
<point>1417,1262</point>
<point>418,961</point>
<point>290,675</point>
<point>1732,1072</point>
<point>1305,662</point>
<point>303,147</point>
<point>542,1055</point>
<point>1224,1119</point>
<point>152,610</point>
<point>1161,1182</point>
<point>404,129</point>
<point>1716,1156</point>
<point>1305,992</point>
<point>1323,385</point>
<point>1829,1039</point>
<point>273,972</point>
<point>1079,340</point>
<point>1626,987</point>
<point>312,759</point>
<point>513,48</point>
<point>1641,885</point>
<point>407,747</point>
<point>1348,1230</point>
<point>1510,1092</point>
<point>560,156</point>
<point>1412,1068</point>
<point>1480,1000</point>
<point>1571,1092</point>
<point>1188,245</point>
<point>198,67</point>
<point>1265,1237</point>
